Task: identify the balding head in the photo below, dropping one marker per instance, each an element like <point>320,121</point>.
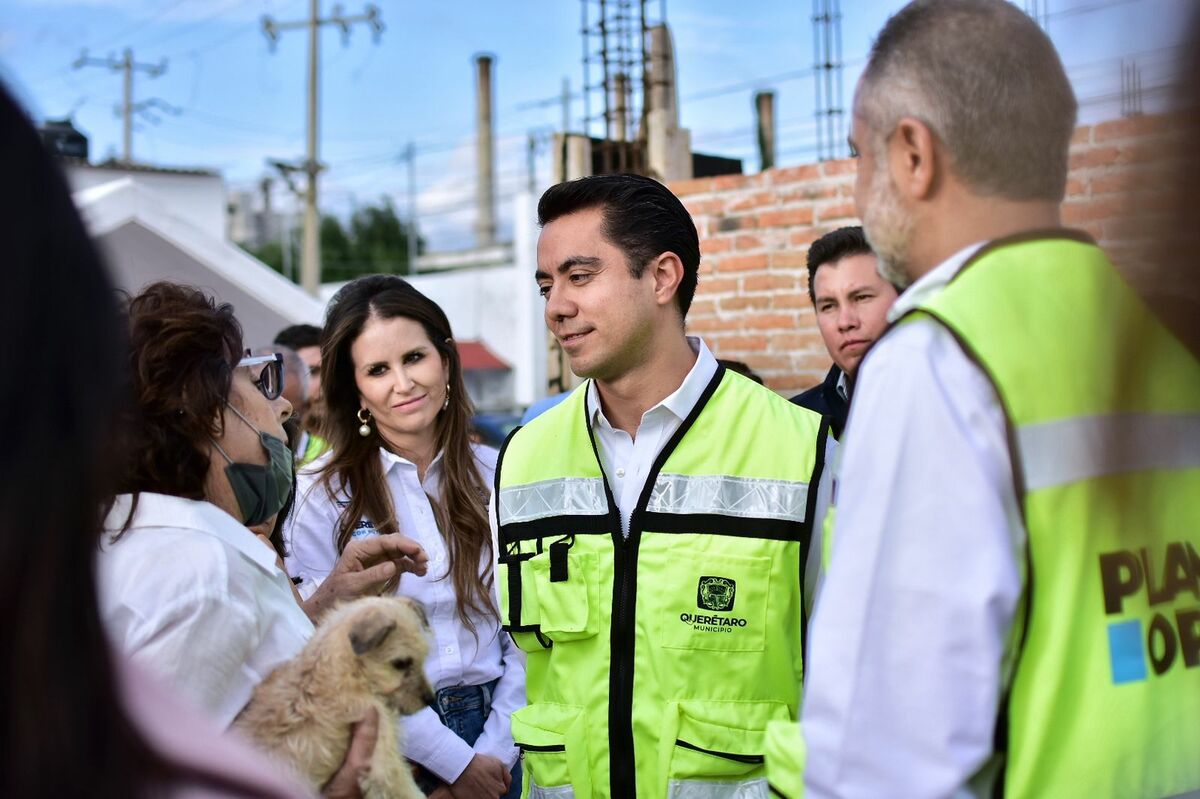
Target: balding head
<point>987,82</point>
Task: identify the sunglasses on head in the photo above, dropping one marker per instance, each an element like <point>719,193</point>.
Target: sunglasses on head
<point>268,373</point>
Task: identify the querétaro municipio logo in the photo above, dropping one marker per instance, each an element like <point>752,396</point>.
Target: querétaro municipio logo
<point>715,593</point>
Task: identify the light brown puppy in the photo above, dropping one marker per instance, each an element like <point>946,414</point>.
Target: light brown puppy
<point>366,653</point>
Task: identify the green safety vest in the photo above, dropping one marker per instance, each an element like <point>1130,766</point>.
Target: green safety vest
<point>1103,413</point>
<point>655,662</point>
<point>313,449</point>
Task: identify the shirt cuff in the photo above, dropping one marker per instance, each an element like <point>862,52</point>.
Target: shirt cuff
<point>433,745</point>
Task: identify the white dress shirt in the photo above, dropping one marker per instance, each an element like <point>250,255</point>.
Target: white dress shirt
<point>909,644</point>
<point>456,657</point>
<point>627,460</point>
<point>191,595</point>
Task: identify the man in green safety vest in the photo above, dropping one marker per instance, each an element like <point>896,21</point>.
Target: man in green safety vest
<point>305,341</point>
<point>1012,605</point>
<point>652,527</point>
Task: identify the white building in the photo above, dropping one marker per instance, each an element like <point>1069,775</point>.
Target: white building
<point>170,226</point>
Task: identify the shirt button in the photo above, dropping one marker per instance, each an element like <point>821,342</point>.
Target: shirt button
<point>449,650</point>
<point>620,472</point>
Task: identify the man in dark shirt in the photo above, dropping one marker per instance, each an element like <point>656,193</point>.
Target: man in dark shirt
<point>851,301</point>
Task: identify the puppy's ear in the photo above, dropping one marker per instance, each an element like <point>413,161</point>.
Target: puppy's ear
<point>419,609</point>
<point>369,632</point>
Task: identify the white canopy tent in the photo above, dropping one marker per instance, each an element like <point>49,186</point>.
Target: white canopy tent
<point>144,241</point>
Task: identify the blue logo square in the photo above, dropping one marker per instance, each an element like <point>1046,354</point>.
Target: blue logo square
<point>1126,650</point>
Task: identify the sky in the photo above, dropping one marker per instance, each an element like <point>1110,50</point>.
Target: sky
<point>235,102</point>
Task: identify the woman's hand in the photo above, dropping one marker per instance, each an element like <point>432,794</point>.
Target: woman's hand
<point>347,781</point>
<point>365,568</point>
<point>485,777</point>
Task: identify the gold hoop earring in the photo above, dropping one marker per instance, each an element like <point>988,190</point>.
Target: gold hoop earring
<point>364,416</point>
<point>446,403</point>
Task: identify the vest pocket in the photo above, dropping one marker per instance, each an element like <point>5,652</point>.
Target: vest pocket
<point>553,751</point>
<point>718,750</point>
<point>567,598</point>
<point>712,600</point>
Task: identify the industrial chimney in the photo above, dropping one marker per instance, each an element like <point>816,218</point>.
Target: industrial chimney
<point>764,115</point>
<point>485,156</point>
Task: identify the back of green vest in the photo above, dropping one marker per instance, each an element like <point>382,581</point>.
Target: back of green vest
<point>1103,408</point>
<point>655,663</point>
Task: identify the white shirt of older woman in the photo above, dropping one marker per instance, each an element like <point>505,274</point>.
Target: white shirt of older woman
<point>191,595</point>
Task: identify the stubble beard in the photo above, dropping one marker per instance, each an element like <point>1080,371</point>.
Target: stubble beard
<point>888,228</point>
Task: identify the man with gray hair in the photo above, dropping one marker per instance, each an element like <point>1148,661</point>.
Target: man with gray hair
<point>1011,605</point>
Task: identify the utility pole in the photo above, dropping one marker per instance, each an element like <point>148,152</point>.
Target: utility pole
<point>566,105</point>
<point>410,155</point>
<point>310,259</point>
<point>128,66</point>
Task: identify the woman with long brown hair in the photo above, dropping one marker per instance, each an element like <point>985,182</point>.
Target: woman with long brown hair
<point>401,461</point>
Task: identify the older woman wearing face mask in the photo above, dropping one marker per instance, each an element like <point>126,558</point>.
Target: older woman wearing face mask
<point>186,589</point>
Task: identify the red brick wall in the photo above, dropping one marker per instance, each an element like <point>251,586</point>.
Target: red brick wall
<point>752,304</point>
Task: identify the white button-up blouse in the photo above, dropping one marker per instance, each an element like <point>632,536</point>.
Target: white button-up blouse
<point>190,594</point>
<point>456,656</point>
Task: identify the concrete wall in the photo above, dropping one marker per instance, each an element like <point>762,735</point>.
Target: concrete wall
<point>752,303</point>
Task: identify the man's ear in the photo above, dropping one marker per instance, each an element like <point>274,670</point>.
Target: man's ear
<point>913,159</point>
<point>668,274</point>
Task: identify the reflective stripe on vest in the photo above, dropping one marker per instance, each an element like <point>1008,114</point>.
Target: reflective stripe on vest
<point>1087,447</point>
<point>562,496</point>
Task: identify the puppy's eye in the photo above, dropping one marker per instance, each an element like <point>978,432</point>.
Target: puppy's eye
<point>400,664</point>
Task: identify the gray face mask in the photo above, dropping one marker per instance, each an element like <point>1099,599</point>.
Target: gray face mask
<point>261,491</point>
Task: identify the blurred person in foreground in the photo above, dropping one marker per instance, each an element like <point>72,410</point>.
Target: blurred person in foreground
<point>851,300</point>
<point>186,589</point>
<point>78,719</point>
<point>398,419</point>
<point>1014,558</point>
<point>305,341</point>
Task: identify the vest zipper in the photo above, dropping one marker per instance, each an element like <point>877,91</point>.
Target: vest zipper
<point>621,764</point>
<point>536,748</point>
<point>749,759</point>
<point>622,771</point>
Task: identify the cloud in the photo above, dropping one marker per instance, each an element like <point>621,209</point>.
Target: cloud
<point>446,205</point>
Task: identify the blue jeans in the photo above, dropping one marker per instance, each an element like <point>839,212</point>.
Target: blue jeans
<point>464,709</point>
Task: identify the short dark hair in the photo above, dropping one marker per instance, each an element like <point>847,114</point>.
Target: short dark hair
<point>297,337</point>
<point>833,247</point>
<point>641,217</point>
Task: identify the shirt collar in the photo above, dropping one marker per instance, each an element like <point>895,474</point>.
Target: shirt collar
<point>843,389</point>
<point>681,401</point>
<point>932,282</point>
<point>163,510</point>
<point>391,460</point>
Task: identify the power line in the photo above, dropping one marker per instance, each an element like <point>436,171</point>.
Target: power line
<point>127,66</point>
<point>1075,11</point>
<point>120,38</point>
